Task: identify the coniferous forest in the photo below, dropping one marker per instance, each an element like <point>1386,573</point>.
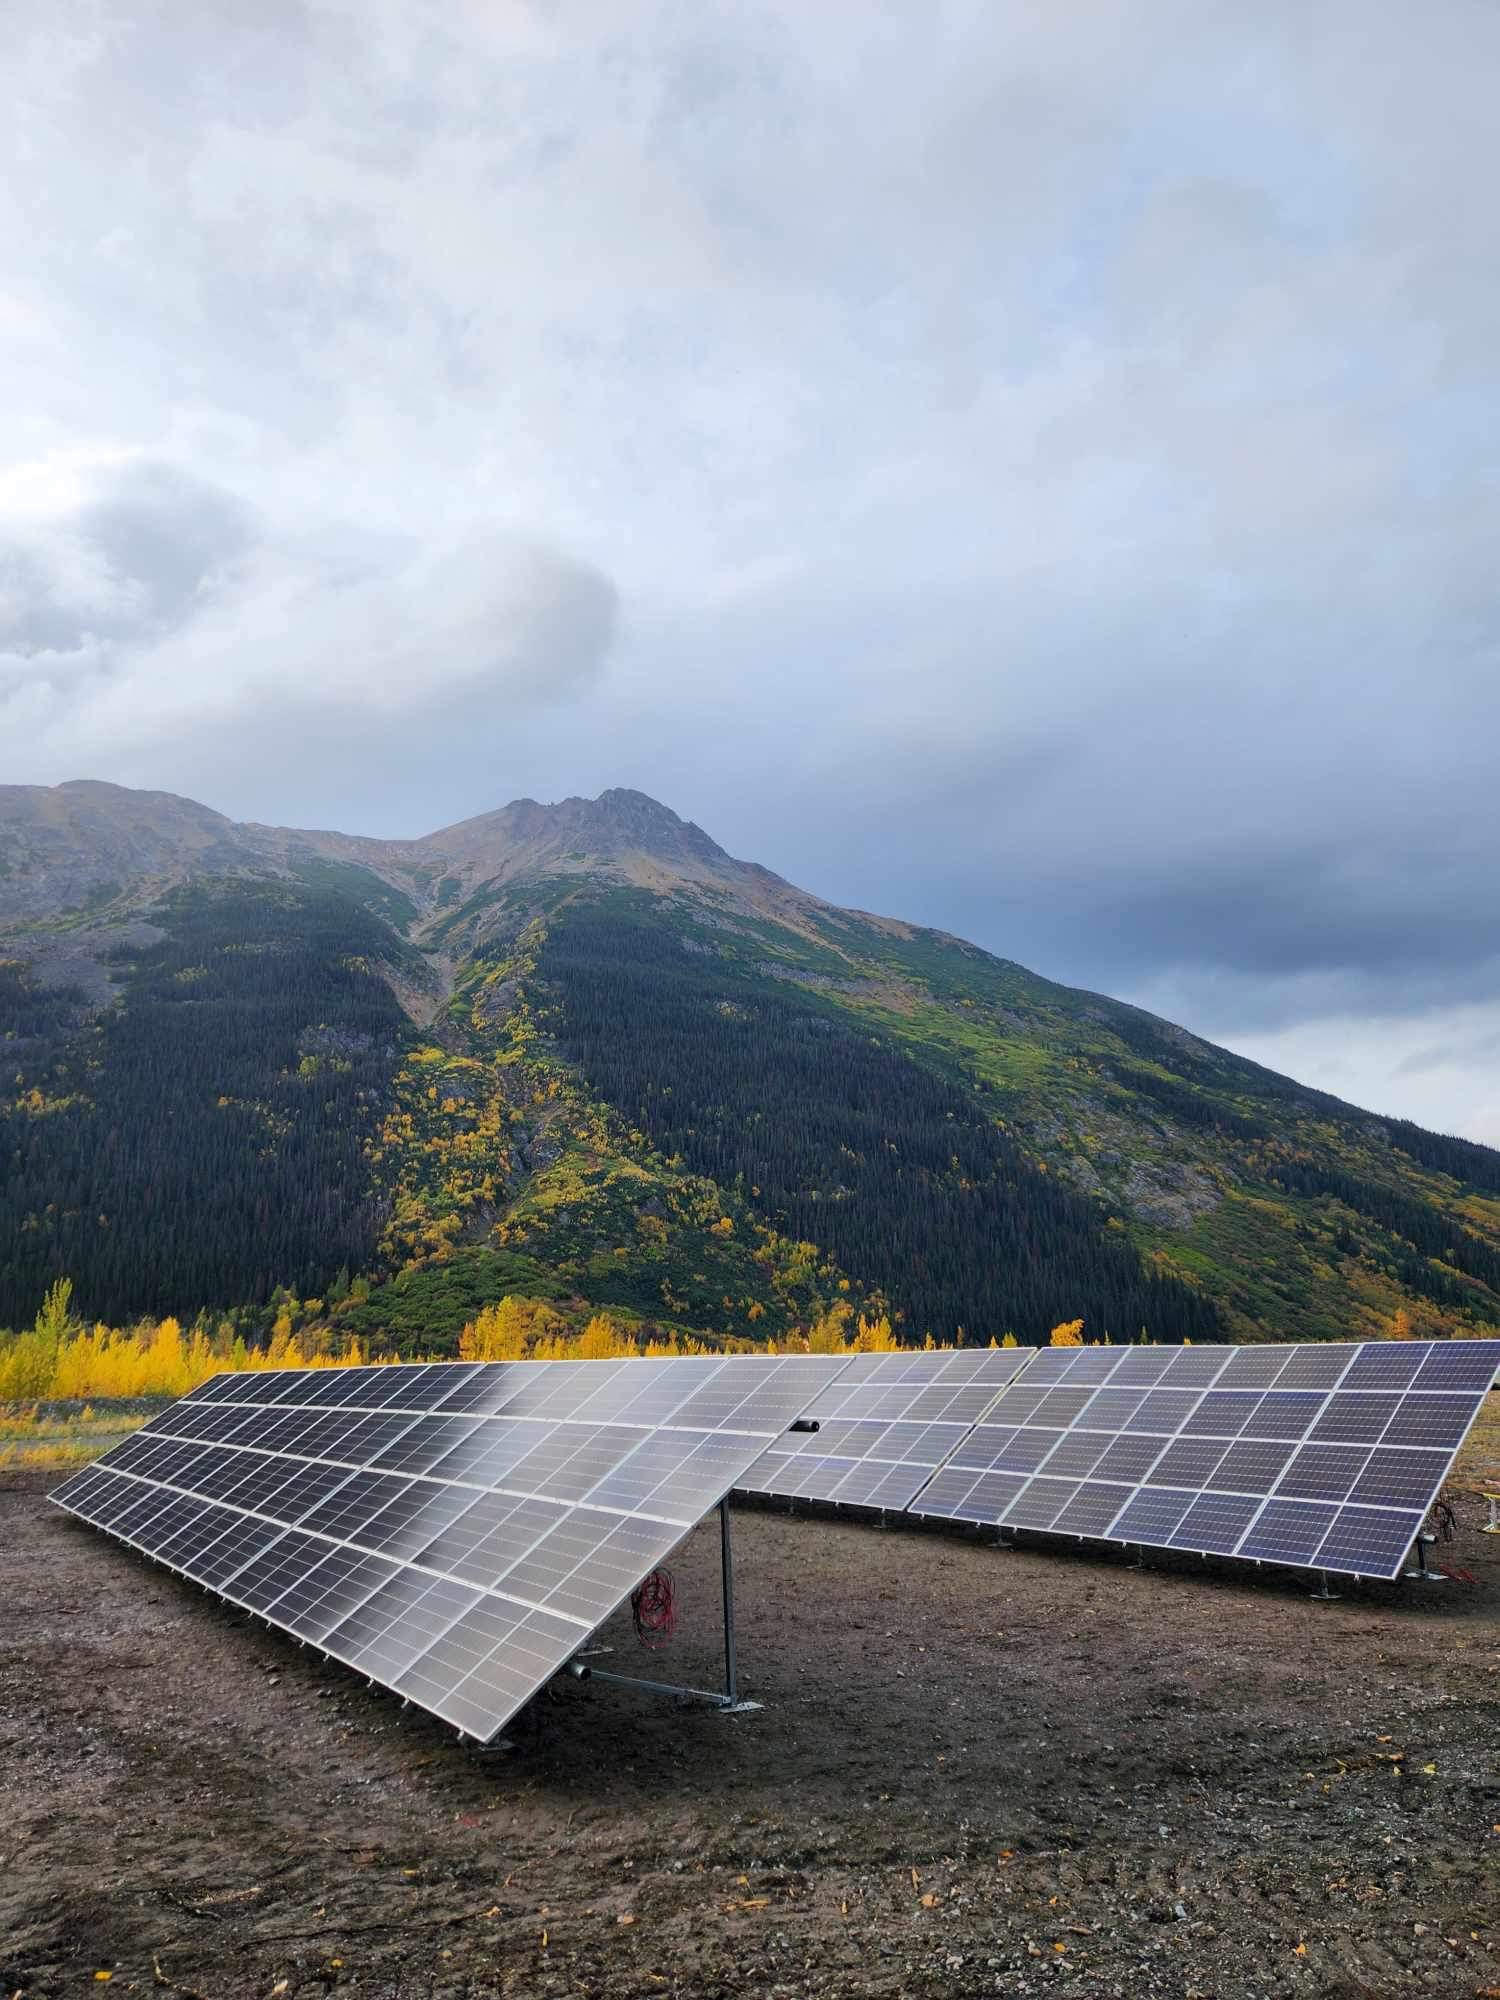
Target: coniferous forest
<point>201,1142</point>
<point>838,1136</point>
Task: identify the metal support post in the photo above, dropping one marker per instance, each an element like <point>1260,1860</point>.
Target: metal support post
<point>1492,1525</point>
<point>1422,1574</point>
<point>726,1571</point>
<point>1323,1595</point>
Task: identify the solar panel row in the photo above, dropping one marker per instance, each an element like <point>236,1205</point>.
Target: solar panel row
<point>454,1531</point>
<point>1324,1457</point>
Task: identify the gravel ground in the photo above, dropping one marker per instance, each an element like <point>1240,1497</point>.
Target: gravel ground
<point>975,1773</point>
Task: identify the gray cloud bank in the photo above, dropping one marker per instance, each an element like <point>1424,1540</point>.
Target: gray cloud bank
<point>1032,469</point>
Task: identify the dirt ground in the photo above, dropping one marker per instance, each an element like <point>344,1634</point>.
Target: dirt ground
<point>976,1772</point>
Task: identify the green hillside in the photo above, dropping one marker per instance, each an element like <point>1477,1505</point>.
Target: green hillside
<point>578,1053</point>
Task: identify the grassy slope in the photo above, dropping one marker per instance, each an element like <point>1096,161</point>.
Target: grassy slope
<point>1184,1143</point>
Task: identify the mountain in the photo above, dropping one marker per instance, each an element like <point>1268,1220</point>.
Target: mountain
<point>578,1052</point>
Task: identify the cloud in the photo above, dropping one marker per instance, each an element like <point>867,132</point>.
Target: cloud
<point>493,617</point>
<point>148,614</point>
<point>114,550</point>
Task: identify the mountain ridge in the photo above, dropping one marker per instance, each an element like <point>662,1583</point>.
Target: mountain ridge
<point>108,822</point>
<point>551,1032</point>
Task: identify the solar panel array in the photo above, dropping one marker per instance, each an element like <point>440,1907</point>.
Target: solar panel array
<point>1321,1456</point>
<point>885,1426</point>
<point>454,1531</point>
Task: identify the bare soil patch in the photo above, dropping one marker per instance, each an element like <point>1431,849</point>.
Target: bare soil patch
<point>975,1773</point>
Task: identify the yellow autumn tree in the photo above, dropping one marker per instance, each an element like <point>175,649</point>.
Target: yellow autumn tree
<point>80,1364</point>
<point>1401,1327</point>
<point>496,1333</point>
<point>874,1336</point>
<point>167,1362</point>
<point>602,1340</point>
<point>511,1330</point>
<point>28,1364</point>
<point>1069,1333</point>
<point>826,1335</point>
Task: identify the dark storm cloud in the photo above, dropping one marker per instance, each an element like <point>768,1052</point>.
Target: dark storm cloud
<point>1279,914</point>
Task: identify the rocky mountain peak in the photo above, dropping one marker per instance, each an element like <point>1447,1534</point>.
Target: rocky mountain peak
<point>617,824</point>
<point>637,821</point>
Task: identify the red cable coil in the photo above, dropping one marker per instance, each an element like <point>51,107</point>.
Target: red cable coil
<point>653,1607</point>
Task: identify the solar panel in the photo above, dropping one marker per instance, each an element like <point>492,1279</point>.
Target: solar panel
<point>454,1531</point>
<point>886,1424</point>
<point>1324,1456</point>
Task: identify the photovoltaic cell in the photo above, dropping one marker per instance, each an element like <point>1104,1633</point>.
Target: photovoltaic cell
<point>1400,1477</point>
<point>453,1530</point>
<point>982,1497</point>
<point>1129,1458</point>
<point>1077,1453</point>
<point>1215,1522</point>
<point>1327,1456</point>
<point>1355,1417</point>
<point>1151,1515</point>
<point>324,1595</point>
<point>1371,1540</point>
<point>1254,1367</point>
<point>1392,1364</point>
<point>1438,1421</point>
<point>491,1536</point>
<point>1092,1508</point>
<point>1221,1413</point>
<point>1039,1502</point>
<point>1186,1461</point>
<point>1250,1466</point>
<point>1323,1471</point>
<point>1283,1413</point>
<point>1138,1367</point>
<point>1316,1366</point>
<point>1461,1365</point>
<point>1005,1447</point>
<point>1288,1531</point>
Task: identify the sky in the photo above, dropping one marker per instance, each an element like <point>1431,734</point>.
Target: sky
<point>1033,470</point>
